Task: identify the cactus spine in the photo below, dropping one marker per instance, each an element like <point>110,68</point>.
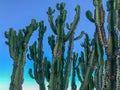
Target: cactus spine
<point>18,48</point>
<point>36,54</point>
<point>56,77</point>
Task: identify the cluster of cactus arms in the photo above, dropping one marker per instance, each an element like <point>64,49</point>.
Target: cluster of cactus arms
<point>92,70</point>
<point>112,44</point>
<point>36,54</point>
<point>18,47</point>
<point>91,60</point>
<point>57,67</point>
<point>85,65</point>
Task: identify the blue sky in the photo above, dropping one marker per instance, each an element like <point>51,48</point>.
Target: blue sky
<point>18,14</point>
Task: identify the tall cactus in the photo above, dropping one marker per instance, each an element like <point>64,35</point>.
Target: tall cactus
<point>36,54</point>
<point>86,65</point>
<point>73,84</point>
<point>67,68</point>
<point>111,45</point>
<point>56,77</point>
<point>18,47</point>
<point>99,74</point>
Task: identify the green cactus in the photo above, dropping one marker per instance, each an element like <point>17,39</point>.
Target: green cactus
<point>86,65</point>
<point>99,75</point>
<point>118,73</point>
<point>73,84</point>
<point>18,47</point>
<point>36,54</point>
<point>56,77</point>
<point>111,45</point>
<point>67,68</point>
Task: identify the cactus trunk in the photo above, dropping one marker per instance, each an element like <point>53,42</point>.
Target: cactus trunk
<point>18,48</point>
<point>36,54</point>
<point>17,76</point>
<point>58,61</point>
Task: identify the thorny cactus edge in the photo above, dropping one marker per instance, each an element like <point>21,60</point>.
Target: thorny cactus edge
<point>59,70</point>
<point>56,77</point>
<point>17,44</point>
<point>85,66</point>
<point>112,44</point>
<point>36,54</point>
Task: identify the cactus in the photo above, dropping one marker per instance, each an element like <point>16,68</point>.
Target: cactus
<point>56,77</point>
<point>99,74</point>
<point>73,84</point>
<point>112,44</point>
<point>18,47</point>
<point>86,65</point>
<point>118,73</point>
<point>67,68</point>
<point>36,54</point>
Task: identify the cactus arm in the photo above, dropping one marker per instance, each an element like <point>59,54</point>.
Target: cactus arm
<point>50,19</point>
<point>96,79</point>
<point>11,37</point>
<point>74,24</point>
<point>112,34</point>
<point>118,73</point>
<point>18,47</point>
<point>100,64</point>
<point>73,84</point>
<point>89,70</point>
<point>86,46</point>
<point>36,54</point>
<point>82,65</point>
<point>51,41</point>
<point>47,67</point>
<point>78,74</point>
<point>91,84</point>
<point>80,36</point>
<point>99,21</point>
<point>68,62</point>
<point>31,28</point>
<point>90,16</point>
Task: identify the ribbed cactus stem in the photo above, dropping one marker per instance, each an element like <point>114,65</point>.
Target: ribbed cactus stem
<point>99,21</point>
<point>85,64</point>
<point>100,62</point>
<point>36,54</point>
<point>88,71</point>
<point>68,62</point>
<point>113,45</point>
<point>18,47</point>
<point>57,77</point>
<point>73,84</point>
<point>117,22</point>
<point>118,73</point>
